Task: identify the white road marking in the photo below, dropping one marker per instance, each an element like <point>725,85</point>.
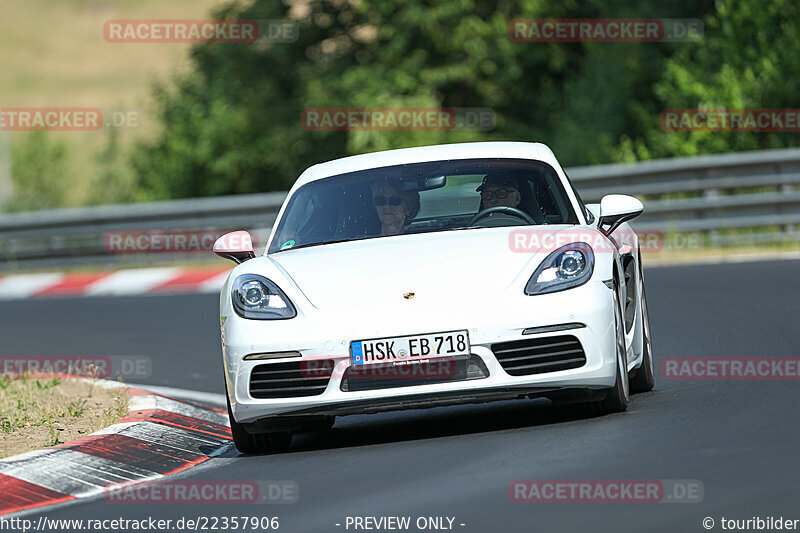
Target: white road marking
<point>74,473</point>
<point>25,456</point>
<point>128,282</point>
<point>82,475</point>
<point>116,428</point>
<point>209,398</point>
<point>197,443</point>
<point>141,403</point>
<point>215,283</point>
<point>18,286</point>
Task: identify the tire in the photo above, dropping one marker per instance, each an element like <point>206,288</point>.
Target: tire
<point>329,422</point>
<point>644,380</point>
<point>616,401</point>
<point>247,442</point>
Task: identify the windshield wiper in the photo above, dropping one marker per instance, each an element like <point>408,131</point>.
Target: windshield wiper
<point>307,245</point>
<point>458,228</point>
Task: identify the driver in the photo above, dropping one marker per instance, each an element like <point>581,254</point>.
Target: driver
<point>394,206</point>
<point>498,190</point>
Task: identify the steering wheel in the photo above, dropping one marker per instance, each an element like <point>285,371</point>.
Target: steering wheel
<point>511,211</point>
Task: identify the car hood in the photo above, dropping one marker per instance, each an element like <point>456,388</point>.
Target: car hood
<point>455,266</point>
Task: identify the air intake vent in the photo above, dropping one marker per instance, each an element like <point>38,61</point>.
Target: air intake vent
<point>540,355</point>
<point>290,379</point>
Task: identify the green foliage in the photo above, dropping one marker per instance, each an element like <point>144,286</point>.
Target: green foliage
<point>748,59</point>
<point>40,172</point>
<point>54,439</point>
<point>115,181</point>
<point>76,408</point>
<point>9,425</point>
<point>44,385</point>
<point>232,123</point>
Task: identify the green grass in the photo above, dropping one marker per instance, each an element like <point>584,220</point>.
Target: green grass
<point>53,54</point>
<point>38,413</point>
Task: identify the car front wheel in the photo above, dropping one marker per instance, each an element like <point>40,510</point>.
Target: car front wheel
<point>644,379</point>
<point>616,401</point>
<point>247,442</point>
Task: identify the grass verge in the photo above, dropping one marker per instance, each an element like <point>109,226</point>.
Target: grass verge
<point>38,413</point>
<point>54,54</point>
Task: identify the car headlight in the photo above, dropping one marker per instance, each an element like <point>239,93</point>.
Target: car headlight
<point>258,298</point>
<point>569,266</point>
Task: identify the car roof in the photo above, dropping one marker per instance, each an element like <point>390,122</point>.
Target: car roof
<point>421,154</point>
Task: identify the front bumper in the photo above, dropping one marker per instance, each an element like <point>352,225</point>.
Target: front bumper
<point>316,337</point>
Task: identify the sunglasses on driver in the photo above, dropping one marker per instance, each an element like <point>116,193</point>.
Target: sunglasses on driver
<point>500,194</point>
<point>383,200</point>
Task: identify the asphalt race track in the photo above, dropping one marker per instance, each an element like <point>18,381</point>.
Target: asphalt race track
<point>739,438</point>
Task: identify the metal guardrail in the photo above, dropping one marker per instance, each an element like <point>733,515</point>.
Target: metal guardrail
<point>77,237</point>
<point>755,190</point>
<point>709,194</point>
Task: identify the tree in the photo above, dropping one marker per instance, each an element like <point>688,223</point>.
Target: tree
<point>746,60</point>
<point>232,125</point>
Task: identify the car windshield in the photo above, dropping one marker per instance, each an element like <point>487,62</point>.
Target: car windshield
<point>423,198</point>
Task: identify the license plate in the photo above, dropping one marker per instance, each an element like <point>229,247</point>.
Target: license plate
<point>410,348</point>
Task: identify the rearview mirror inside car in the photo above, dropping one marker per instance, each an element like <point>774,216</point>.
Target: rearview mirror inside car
<point>424,183</point>
<point>616,209</point>
<point>435,182</point>
<point>236,246</point>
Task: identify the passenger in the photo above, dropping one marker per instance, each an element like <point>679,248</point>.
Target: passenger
<point>394,206</point>
<point>499,191</point>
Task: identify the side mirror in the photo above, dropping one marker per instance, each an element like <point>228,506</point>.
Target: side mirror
<point>236,246</point>
<point>616,209</point>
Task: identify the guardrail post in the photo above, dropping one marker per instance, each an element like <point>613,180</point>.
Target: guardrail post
<point>714,237</point>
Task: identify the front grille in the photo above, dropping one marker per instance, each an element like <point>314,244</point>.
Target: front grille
<point>539,355</point>
<point>290,379</point>
<point>390,375</point>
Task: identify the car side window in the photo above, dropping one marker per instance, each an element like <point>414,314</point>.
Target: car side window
<point>555,207</point>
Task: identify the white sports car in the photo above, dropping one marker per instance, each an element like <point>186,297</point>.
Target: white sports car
<point>432,276</point>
